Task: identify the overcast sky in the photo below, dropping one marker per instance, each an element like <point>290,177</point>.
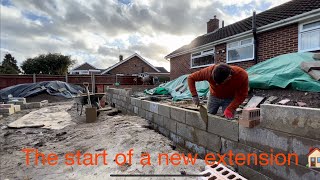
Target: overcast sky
<point>96,31</point>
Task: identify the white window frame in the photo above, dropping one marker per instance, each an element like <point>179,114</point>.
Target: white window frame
<point>202,54</point>
<point>304,30</point>
<point>240,46</point>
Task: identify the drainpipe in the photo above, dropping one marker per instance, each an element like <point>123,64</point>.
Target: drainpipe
<point>255,40</point>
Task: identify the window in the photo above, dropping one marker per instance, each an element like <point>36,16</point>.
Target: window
<point>202,59</point>
<point>242,50</point>
<point>309,36</point>
<point>313,159</point>
<point>318,159</point>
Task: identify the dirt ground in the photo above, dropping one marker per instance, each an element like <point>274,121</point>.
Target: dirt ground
<point>114,134</point>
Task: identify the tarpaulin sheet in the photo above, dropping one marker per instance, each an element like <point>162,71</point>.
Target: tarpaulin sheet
<point>56,88</point>
<point>183,91</point>
<point>283,72</point>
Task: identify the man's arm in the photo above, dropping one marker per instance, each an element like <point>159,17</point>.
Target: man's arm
<point>201,75</point>
<point>240,95</point>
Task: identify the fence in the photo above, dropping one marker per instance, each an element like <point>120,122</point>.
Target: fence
<point>99,80</point>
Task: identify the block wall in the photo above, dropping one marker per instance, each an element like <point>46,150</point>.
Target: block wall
<point>282,129</point>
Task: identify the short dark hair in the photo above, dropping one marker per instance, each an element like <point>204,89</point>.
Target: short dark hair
<point>221,72</point>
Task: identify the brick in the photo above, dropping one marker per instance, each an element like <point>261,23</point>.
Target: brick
<point>201,151</point>
<point>149,116</point>
<point>164,131</point>
<point>154,107</point>
<point>170,124</point>
<point>223,127</point>
<point>299,121</point>
<point>208,140</point>
<point>186,131</point>
<point>177,139</point>
<point>17,108</point>
<point>265,139</point>
<point>251,114</point>
<point>164,110</point>
<point>136,110</point>
<point>178,114</point>
<point>145,105</point>
<point>194,119</point>
<point>5,106</point>
<point>142,113</point>
<point>249,123</point>
<point>158,119</point>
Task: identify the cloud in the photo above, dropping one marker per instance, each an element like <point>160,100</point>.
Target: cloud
<point>96,31</point>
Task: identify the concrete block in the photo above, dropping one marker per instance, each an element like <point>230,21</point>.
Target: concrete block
<point>154,107</point>
<point>17,108</point>
<point>170,124</point>
<point>208,140</point>
<point>137,102</point>
<point>178,114</point>
<point>194,119</point>
<point>301,147</point>
<point>164,131</point>
<point>145,105</point>
<point>7,111</point>
<point>177,139</point>
<point>129,107</point>
<point>201,151</point>
<point>116,91</point>
<point>16,102</point>
<point>135,109</point>
<point>21,99</point>
<point>115,96</point>
<point>142,113</point>
<point>223,127</point>
<point>5,106</point>
<point>236,148</point>
<point>164,110</point>
<point>132,101</point>
<point>158,119</point>
<point>316,56</point>
<point>1,116</point>
<point>300,121</point>
<point>149,116</point>
<point>186,131</point>
<point>265,139</point>
<point>251,174</point>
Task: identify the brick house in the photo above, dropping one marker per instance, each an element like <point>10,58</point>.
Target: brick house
<point>134,65</point>
<point>85,69</point>
<point>291,27</point>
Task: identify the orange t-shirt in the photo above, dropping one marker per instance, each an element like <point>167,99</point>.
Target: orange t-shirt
<point>236,87</point>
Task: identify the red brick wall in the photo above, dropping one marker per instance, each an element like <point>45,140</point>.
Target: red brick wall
<point>132,66</point>
<point>271,43</point>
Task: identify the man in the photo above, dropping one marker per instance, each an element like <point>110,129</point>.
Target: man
<point>228,87</point>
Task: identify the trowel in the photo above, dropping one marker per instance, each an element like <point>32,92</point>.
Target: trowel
<point>203,113</point>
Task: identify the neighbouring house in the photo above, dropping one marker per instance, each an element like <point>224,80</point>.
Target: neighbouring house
<point>85,69</point>
<point>134,65</point>
<point>314,158</point>
<point>291,27</point>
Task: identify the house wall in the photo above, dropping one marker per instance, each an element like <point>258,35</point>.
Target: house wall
<point>270,44</point>
<point>132,66</point>
<point>282,129</point>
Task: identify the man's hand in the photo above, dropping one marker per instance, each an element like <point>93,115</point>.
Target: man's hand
<point>196,100</point>
<point>228,114</point>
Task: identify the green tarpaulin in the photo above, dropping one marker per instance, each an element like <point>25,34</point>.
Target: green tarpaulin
<point>280,72</point>
<point>283,72</point>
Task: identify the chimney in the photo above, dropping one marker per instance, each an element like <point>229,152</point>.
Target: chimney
<point>120,57</point>
<point>212,25</point>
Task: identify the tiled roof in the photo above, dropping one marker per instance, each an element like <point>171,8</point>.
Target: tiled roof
<point>284,11</point>
<point>85,66</point>
<point>162,69</point>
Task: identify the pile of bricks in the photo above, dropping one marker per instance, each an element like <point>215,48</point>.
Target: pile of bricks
<point>16,104</point>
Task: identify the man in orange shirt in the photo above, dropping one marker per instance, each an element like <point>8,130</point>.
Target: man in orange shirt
<point>228,87</point>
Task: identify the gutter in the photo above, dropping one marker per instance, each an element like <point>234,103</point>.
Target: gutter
<point>255,39</point>
<point>281,23</point>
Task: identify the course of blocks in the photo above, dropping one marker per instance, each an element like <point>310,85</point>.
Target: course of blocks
<point>17,104</point>
<point>282,128</point>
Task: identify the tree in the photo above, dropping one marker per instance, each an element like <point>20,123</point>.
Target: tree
<point>51,63</point>
<point>9,65</point>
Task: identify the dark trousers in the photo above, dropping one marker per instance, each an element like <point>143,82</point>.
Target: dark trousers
<point>214,104</point>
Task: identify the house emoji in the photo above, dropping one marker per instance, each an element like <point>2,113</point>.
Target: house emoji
<point>314,158</point>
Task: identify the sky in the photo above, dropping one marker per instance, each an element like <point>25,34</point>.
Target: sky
<point>97,31</point>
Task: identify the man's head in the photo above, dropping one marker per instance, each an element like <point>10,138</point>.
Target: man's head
<point>221,73</point>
